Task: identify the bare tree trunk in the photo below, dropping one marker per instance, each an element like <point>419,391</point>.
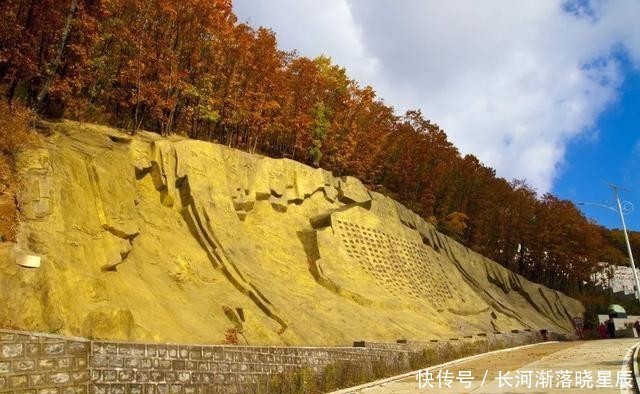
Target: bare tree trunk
<point>53,68</point>
<point>12,89</point>
<point>137,123</point>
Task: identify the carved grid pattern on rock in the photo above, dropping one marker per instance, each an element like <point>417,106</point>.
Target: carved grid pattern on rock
<point>402,267</point>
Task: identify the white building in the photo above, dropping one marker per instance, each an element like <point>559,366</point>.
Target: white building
<point>615,277</point>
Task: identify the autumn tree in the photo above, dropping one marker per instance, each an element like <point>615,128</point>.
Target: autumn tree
<point>189,67</point>
<point>16,124</point>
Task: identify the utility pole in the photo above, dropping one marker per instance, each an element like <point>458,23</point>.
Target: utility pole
<point>626,238</point>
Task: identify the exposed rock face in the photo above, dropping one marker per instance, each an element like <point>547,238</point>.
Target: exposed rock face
<point>160,239</point>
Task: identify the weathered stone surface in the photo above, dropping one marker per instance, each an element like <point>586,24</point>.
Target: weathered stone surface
<point>107,322</point>
<point>352,190</point>
<point>54,349</point>
<point>59,378</point>
<point>149,238</point>
<point>19,382</point>
<point>36,198</point>
<point>24,365</point>
<point>12,350</point>
<point>47,364</point>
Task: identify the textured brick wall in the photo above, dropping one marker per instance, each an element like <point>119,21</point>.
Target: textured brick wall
<point>46,364</point>
<point>123,367</point>
<point>43,364</point>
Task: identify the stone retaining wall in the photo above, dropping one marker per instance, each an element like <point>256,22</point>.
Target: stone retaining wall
<point>43,364</point>
<point>33,363</point>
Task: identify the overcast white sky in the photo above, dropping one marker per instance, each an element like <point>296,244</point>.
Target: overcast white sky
<point>510,81</point>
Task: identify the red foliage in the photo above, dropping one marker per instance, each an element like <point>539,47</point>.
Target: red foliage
<point>231,336</point>
<point>189,67</point>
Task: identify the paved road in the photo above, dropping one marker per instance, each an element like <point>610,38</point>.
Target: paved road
<point>577,367</point>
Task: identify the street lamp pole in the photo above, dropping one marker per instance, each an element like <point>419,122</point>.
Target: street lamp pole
<point>622,212</point>
<point>626,238</point>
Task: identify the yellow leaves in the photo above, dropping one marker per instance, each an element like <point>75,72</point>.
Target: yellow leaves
<point>208,114</point>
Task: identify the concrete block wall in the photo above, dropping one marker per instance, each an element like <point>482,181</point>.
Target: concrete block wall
<point>33,363</point>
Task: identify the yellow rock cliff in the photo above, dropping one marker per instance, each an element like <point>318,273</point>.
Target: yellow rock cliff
<point>170,239</point>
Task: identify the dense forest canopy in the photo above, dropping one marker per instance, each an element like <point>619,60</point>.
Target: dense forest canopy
<point>189,67</point>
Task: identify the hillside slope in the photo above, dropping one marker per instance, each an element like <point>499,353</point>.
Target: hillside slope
<point>159,239</point>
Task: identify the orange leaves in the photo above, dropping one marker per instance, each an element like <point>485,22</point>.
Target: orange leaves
<point>189,67</point>
<point>16,122</point>
<point>231,336</point>
<point>456,224</point>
